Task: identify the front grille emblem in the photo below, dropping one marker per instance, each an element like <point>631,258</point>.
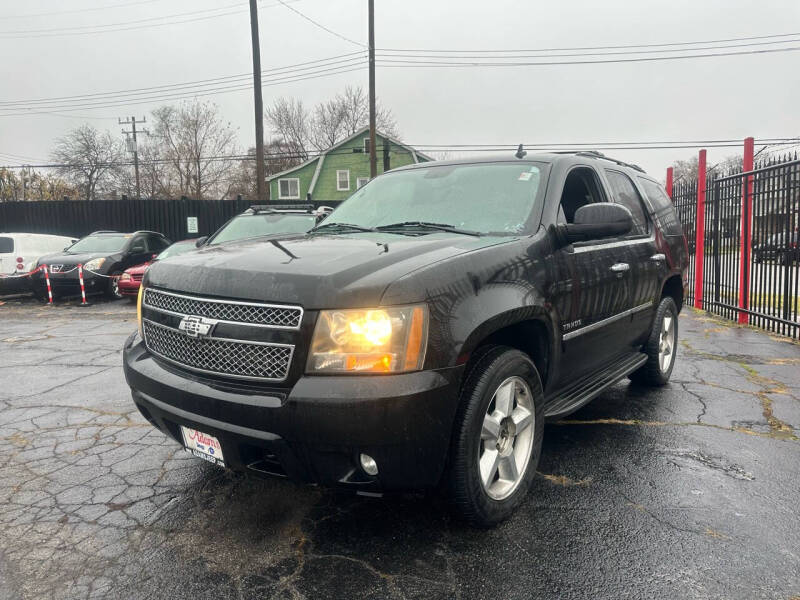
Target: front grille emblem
<point>55,268</point>
<point>197,326</point>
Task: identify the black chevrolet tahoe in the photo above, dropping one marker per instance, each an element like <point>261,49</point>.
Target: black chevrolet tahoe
<point>423,333</point>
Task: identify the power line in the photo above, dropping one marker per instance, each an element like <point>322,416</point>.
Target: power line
<point>161,21</point>
<point>438,64</point>
<point>578,54</point>
<point>303,66</point>
<point>326,72</point>
<point>642,145</point>
<point>320,25</point>
<point>77,10</point>
<point>618,47</point>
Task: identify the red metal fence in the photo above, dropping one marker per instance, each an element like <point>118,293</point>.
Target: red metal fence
<point>742,230</point>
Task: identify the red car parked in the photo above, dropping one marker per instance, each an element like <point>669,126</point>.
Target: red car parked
<point>131,279</point>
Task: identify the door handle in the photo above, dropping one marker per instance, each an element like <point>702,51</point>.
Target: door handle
<point>620,267</point>
<point>658,257</point>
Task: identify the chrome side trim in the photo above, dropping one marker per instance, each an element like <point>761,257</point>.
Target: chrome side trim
<point>218,301</point>
<point>593,247</point>
<point>607,321</point>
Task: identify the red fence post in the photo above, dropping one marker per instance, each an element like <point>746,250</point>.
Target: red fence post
<point>700,220</point>
<point>668,187</point>
<point>746,230</point>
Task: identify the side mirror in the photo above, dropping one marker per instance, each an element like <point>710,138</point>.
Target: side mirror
<point>594,222</point>
<point>200,241</point>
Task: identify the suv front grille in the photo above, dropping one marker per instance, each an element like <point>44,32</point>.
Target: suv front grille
<point>232,358</point>
<point>268,315</point>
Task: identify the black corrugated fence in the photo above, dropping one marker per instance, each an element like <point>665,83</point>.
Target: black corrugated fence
<point>77,218</point>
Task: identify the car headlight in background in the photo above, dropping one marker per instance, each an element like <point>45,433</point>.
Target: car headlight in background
<point>125,276</point>
<point>94,264</point>
<point>139,310</point>
<point>380,340</point>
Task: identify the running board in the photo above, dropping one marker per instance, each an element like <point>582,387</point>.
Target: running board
<point>572,397</point>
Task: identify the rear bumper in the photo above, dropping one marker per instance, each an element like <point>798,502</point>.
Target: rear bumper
<point>314,431</point>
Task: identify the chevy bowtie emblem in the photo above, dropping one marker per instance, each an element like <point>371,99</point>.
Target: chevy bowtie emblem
<point>56,268</point>
<point>197,326</point>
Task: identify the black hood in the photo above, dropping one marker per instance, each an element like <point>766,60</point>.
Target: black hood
<point>317,271</point>
<point>73,260</point>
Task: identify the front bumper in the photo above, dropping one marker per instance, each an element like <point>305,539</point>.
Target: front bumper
<point>313,431</point>
<point>129,287</point>
<point>69,283</point>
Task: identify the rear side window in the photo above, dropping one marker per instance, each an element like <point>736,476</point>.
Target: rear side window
<point>663,209</point>
<point>6,245</point>
<point>625,193</point>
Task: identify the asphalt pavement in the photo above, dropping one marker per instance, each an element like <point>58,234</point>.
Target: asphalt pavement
<point>688,491</point>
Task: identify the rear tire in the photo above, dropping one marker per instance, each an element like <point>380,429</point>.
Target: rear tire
<point>497,437</point>
<point>661,346</point>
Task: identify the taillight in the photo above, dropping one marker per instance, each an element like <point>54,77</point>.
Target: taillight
<point>20,264</point>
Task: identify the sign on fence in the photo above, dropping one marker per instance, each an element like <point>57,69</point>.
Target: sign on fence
<point>191,225</point>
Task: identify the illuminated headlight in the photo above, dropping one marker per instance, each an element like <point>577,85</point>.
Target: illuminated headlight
<point>380,340</point>
<point>139,310</point>
<point>94,264</point>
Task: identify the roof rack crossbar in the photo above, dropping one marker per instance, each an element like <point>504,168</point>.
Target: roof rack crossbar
<point>271,207</point>
<point>596,154</point>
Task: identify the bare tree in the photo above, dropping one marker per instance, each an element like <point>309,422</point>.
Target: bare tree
<point>88,158</point>
<point>196,144</point>
<point>291,123</point>
<point>299,131</point>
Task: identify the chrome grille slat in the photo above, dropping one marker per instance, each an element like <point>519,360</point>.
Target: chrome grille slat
<point>251,313</point>
<point>219,356</point>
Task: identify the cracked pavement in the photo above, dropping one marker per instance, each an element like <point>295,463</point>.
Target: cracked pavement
<point>688,491</point>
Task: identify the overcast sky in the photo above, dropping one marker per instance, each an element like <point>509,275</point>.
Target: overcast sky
<point>712,98</point>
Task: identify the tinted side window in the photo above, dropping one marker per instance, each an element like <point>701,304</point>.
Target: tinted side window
<point>663,209</point>
<point>6,245</point>
<point>625,194</point>
<point>157,243</point>
<point>581,187</point>
<point>139,240</point>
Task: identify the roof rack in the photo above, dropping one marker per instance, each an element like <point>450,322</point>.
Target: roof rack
<point>274,207</point>
<point>596,154</point>
<point>104,231</point>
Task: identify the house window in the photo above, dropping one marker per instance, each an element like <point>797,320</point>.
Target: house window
<point>289,189</point>
<point>343,180</point>
<point>361,181</point>
<point>366,145</point>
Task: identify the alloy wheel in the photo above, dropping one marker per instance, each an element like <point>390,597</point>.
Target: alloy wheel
<point>506,438</point>
<point>666,343</point>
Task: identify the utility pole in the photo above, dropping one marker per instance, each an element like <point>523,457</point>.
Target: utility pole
<point>133,147</point>
<point>258,101</point>
<point>373,157</point>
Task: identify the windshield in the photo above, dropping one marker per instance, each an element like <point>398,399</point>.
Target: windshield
<point>175,249</point>
<point>108,244</point>
<point>247,226</point>
<point>495,198</point>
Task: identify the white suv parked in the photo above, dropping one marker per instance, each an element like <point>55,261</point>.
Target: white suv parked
<point>19,252</point>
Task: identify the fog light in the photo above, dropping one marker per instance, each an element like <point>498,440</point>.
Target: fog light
<point>368,464</point>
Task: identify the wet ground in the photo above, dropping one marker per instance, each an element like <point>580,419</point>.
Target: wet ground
<point>690,491</point>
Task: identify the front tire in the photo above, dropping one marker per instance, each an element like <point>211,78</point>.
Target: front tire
<point>497,439</point>
<point>112,291</point>
<point>661,346</point>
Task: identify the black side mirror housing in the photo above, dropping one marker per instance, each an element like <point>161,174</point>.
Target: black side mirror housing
<point>200,241</point>
<point>594,222</point>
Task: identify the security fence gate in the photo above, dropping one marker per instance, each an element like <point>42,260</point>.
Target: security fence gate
<point>750,267</point>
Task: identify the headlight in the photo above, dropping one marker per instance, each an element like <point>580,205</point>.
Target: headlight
<point>94,264</point>
<point>139,310</point>
<point>381,340</point>
<point>125,276</point>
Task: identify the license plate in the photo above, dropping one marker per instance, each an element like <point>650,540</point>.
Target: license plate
<point>203,446</point>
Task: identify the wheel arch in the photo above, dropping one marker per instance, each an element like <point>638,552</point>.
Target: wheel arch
<point>673,287</point>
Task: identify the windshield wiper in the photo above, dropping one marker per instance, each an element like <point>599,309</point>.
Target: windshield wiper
<point>428,225</point>
<point>349,226</point>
